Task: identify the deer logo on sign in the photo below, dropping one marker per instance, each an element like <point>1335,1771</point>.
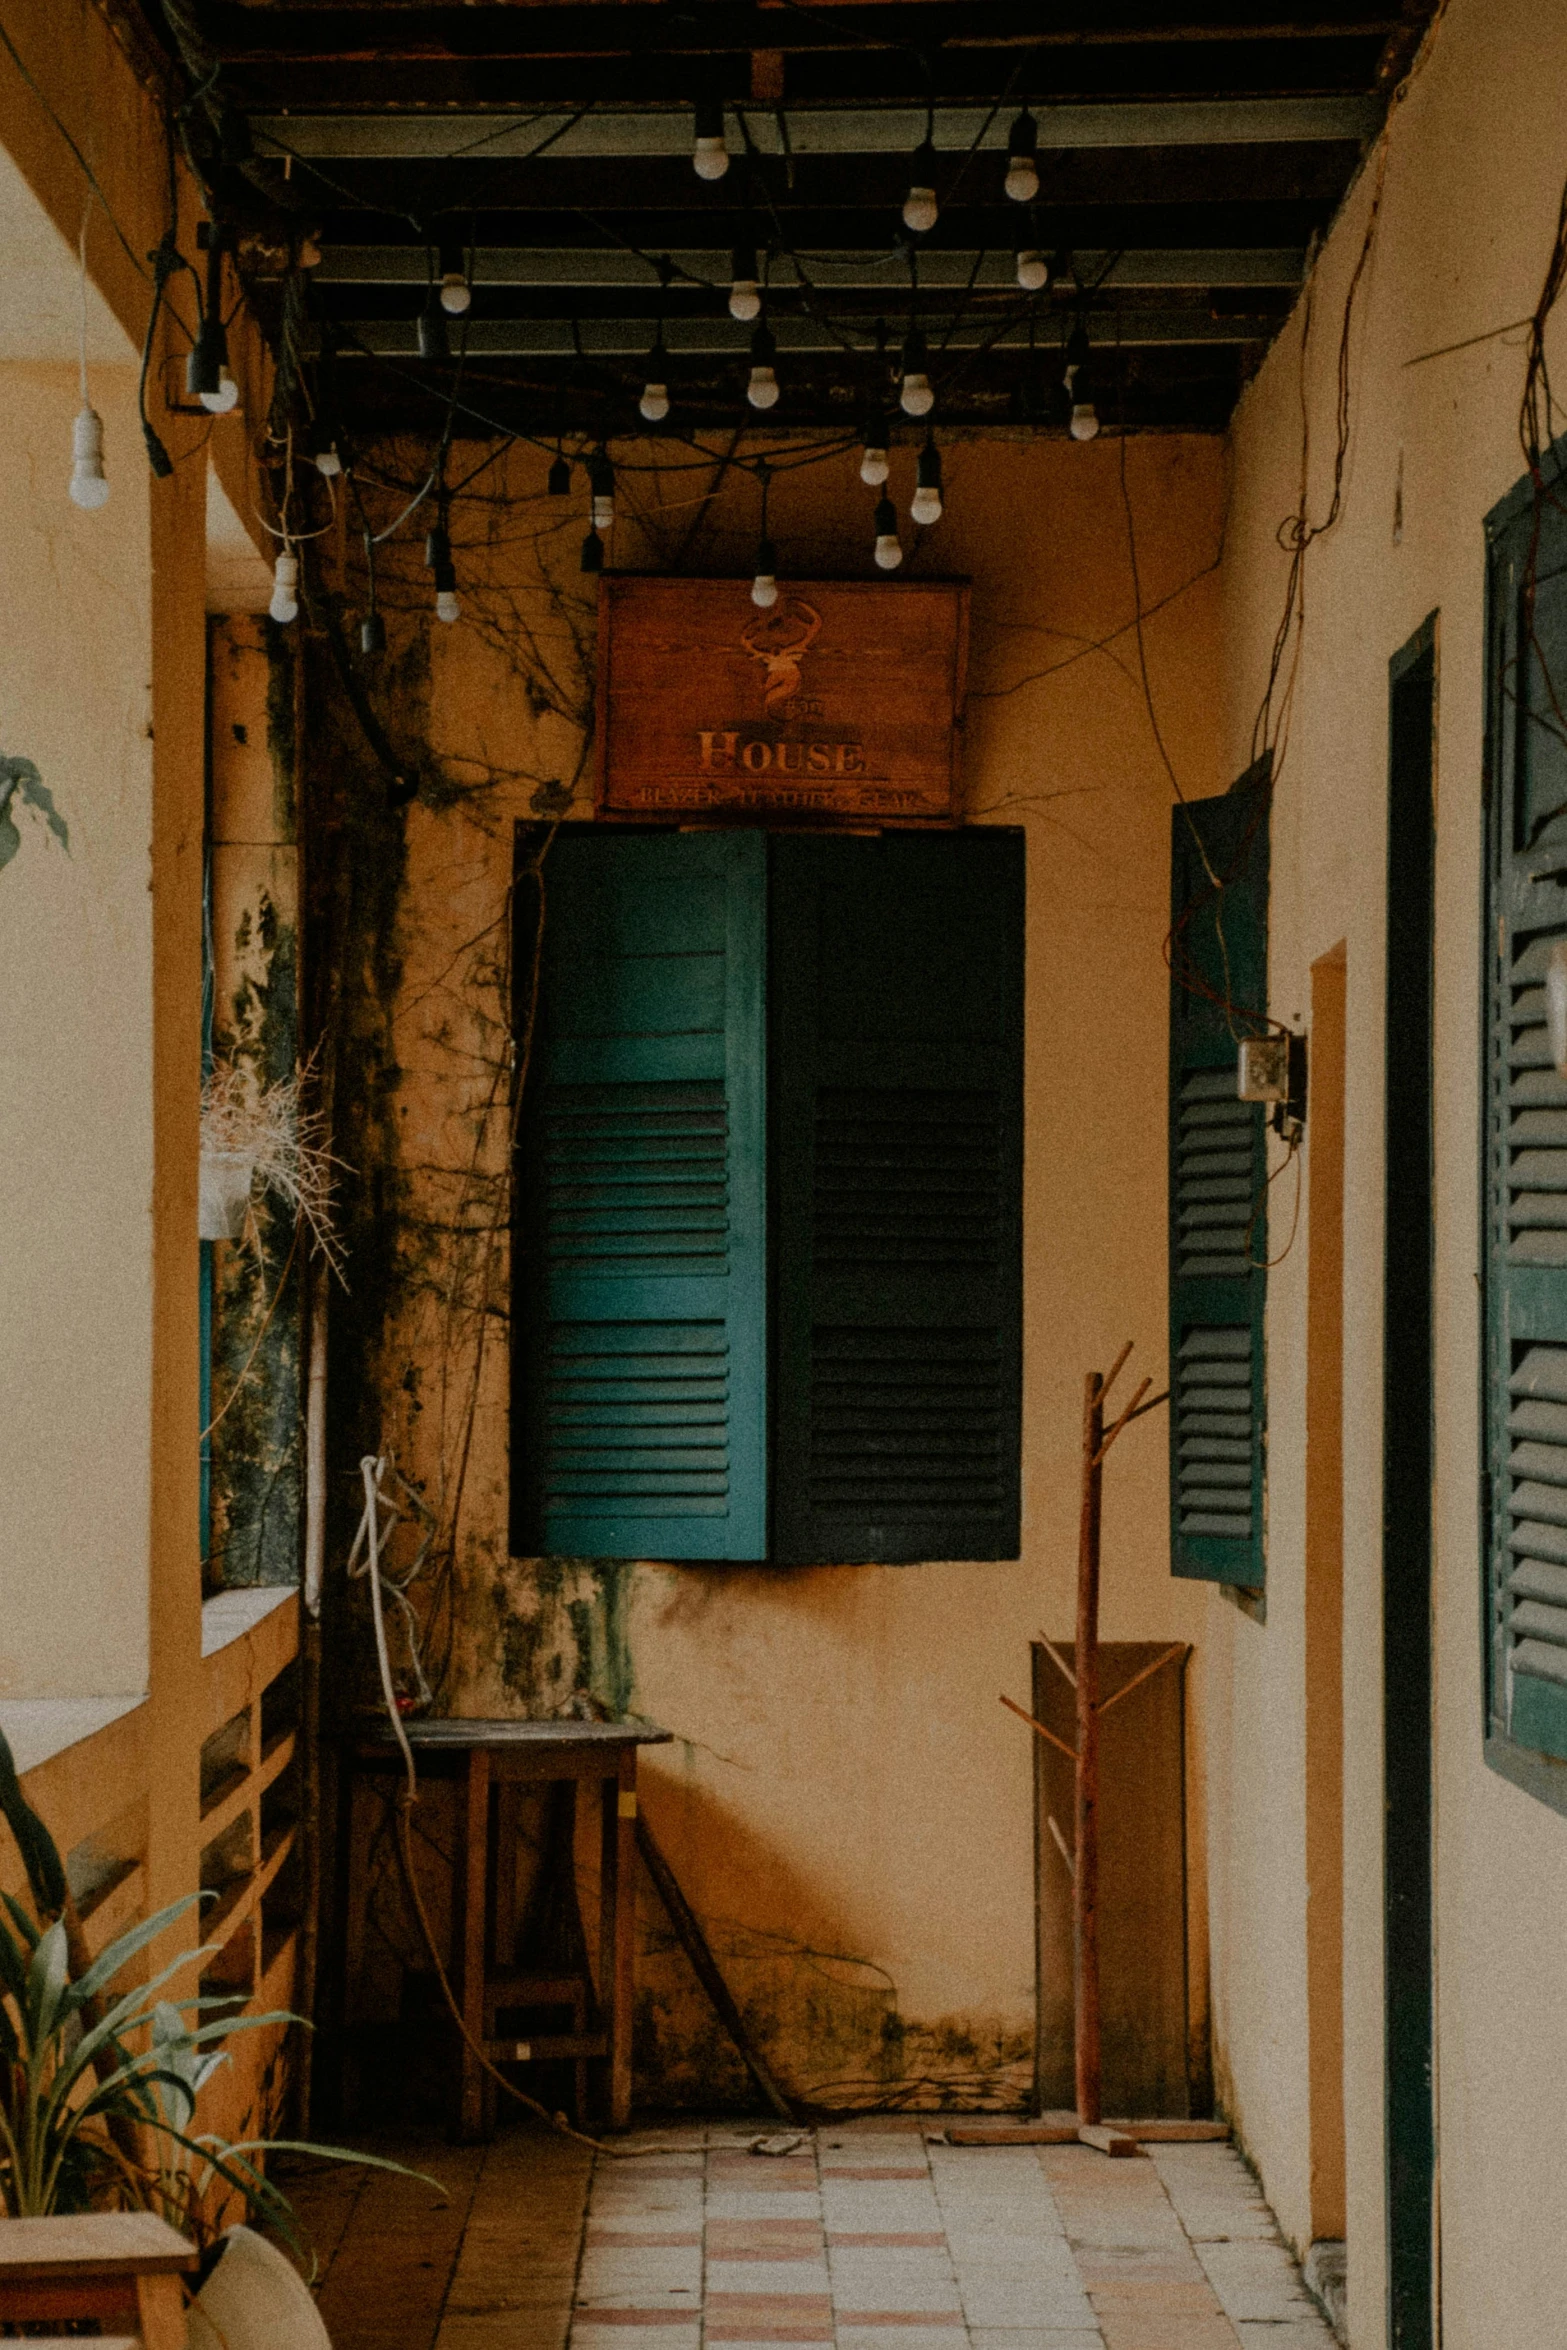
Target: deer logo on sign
<point>780,641</point>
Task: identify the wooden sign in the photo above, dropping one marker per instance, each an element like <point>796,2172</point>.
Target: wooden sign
<point>845,699</point>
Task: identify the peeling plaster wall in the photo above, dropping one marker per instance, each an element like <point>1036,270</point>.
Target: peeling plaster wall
<point>1477,161</point>
<point>847,1805</point>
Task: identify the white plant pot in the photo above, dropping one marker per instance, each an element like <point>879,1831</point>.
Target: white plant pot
<point>254,2300</point>
<point>225,1193</point>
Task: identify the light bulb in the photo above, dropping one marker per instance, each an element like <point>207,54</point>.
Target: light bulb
<point>88,487</point>
<point>603,513</point>
<point>919,205</point>
<point>654,402</point>
<point>710,156</point>
<point>1077,356</point>
<point>446,604</point>
<point>889,547</point>
<point>762,388</point>
<point>745,287</point>
<point>592,557</point>
<point>925,505</point>
<point>456,293</point>
<point>764,587</point>
<point>372,633</point>
<point>1033,270</point>
<point>284,606</point>
<point>225,398</point>
<point>1022,180</point>
<point>1085,421</point>
<point>874,467</point>
<point>328,462</point>
<point>601,480</point>
<point>916,398</point>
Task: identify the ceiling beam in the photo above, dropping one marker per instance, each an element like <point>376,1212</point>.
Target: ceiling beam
<point>630,338</point>
<point>599,266</point>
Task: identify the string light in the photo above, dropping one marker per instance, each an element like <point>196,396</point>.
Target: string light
<point>654,403</point>
<point>284,606</point>
<point>764,587</point>
<point>919,205</point>
<point>558,484</point>
<point>745,286</point>
<point>762,387</point>
<point>438,557</point>
<point>434,341</point>
<point>889,547</point>
<point>874,467</point>
<point>601,482</point>
<point>88,487</point>
<point>372,632</point>
<point>925,505</point>
<point>1022,181</point>
<point>915,396</point>
<point>1033,270</point>
<point>456,293</point>
<point>592,558</point>
<point>710,156</point>
<point>325,457</point>
<point>1084,424</point>
<point>207,376</point>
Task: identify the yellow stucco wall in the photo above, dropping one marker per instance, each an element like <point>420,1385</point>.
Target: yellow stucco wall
<point>1475,165</point>
<point>845,1783</point>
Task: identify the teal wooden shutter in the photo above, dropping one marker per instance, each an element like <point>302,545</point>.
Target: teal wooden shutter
<point>897,992</point>
<point>1218,1173</point>
<point>1526,1141</point>
<point>640,1407</point>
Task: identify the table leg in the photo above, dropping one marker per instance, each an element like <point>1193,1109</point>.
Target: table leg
<point>617,1930</point>
<point>470,1872</point>
<point>160,2313</point>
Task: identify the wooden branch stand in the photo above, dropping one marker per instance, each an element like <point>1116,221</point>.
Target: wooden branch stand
<point>1088,2124</point>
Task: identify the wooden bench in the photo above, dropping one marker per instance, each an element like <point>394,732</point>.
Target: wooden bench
<point>122,2267</point>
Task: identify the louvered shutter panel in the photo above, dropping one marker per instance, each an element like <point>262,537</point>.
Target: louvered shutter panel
<point>897,992</point>
<point>641,1394</point>
<point>1218,1170</point>
<point>1526,1149</point>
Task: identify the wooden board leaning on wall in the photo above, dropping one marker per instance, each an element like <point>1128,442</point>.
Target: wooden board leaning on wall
<point>843,702</point>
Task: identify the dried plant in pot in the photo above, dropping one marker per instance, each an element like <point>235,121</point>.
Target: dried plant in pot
<point>253,1131</point>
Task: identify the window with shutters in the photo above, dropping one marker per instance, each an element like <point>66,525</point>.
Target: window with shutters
<point>1525,1140</point>
<point>769,1199</point>
<point>1218,1179</point>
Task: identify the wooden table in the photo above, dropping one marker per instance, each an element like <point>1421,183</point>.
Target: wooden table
<point>506,1756</point>
<point>117,2266</point>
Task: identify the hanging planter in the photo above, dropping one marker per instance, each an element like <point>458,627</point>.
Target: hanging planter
<point>252,1131</point>
<point>225,1193</point>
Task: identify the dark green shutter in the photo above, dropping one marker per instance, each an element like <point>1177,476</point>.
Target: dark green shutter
<point>897,1024</point>
<point>1526,1142</point>
<point>641,1393</point>
<point>1218,1171</point>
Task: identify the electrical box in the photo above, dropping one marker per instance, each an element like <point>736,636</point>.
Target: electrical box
<point>1263,1072</point>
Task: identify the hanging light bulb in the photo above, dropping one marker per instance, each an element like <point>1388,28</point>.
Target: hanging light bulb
<point>745,287</point>
<point>434,342</point>
<point>654,402</point>
<point>1022,181</point>
<point>456,293</point>
<point>601,481</point>
<point>88,487</point>
<point>915,396</point>
<point>925,505</point>
<point>207,376</point>
<point>873,464</point>
<point>1084,425</point>
<point>592,558</point>
<point>372,632</point>
<point>438,559</point>
<point>1033,270</point>
<point>919,205</point>
<point>710,156</point>
<point>764,587</point>
<point>762,386</point>
<point>1077,355</point>
<point>326,459</point>
<point>889,547</point>
<point>284,606</point>
<point>558,484</point>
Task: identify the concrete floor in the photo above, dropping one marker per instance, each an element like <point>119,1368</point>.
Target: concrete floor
<point>867,2237</point>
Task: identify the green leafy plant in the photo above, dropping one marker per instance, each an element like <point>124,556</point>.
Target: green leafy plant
<point>21,784</point>
<point>99,2084</point>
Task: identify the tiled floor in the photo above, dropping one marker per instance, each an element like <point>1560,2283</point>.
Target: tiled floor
<point>865,2237</point>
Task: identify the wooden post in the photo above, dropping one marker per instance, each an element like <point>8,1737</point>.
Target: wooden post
<point>1085,1881</point>
<point>473,1826</point>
